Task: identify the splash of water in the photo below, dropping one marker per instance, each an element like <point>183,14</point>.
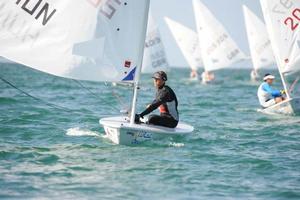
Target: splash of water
<point>81,132</point>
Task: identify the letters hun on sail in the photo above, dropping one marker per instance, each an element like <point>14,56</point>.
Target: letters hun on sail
<point>95,40</point>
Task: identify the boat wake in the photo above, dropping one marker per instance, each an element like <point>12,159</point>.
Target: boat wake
<point>81,132</point>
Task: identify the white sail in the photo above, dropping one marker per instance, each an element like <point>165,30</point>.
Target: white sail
<point>155,58</point>
<point>188,42</point>
<point>95,40</point>
<point>258,39</point>
<point>218,49</point>
<point>282,20</point>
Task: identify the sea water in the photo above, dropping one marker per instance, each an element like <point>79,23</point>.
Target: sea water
<point>52,146</point>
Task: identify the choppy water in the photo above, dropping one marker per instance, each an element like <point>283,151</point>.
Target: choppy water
<point>234,153</point>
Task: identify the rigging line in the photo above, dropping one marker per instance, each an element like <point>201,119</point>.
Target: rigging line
<point>123,105</point>
<point>119,99</point>
<point>127,85</point>
<point>293,84</point>
<point>36,98</point>
<point>94,94</point>
<point>43,101</point>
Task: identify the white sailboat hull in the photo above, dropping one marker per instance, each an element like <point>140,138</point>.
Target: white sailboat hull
<point>287,107</point>
<point>120,131</point>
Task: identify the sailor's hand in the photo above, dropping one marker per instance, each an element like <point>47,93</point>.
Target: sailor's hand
<point>282,92</point>
<point>137,119</point>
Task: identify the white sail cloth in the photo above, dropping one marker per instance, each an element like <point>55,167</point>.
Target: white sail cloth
<point>95,40</point>
<point>155,58</point>
<point>188,42</point>
<point>282,20</point>
<point>218,49</point>
<point>258,39</point>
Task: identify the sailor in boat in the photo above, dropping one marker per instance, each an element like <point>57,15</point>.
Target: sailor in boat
<point>268,96</point>
<point>254,75</point>
<point>194,74</point>
<point>207,76</point>
<point>165,100</point>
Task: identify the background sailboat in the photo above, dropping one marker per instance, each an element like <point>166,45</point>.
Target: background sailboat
<point>188,43</point>
<point>259,43</point>
<point>218,50</point>
<point>282,21</point>
<point>155,58</point>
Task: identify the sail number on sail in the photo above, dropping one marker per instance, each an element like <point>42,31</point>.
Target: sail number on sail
<point>158,59</point>
<point>282,8</point>
<point>152,42</point>
<point>15,23</point>
<point>220,40</point>
<point>108,9</point>
<point>217,43</point>
<point>39,9</point>
<point>290,20</point>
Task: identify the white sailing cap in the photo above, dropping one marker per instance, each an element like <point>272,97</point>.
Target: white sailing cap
<point>269,76</point>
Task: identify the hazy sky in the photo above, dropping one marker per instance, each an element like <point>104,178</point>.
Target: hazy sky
<point>228,12</point>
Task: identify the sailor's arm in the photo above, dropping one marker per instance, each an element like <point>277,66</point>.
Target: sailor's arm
<point>275,93</point>
<point>162,98</point>
<point>154,105</point>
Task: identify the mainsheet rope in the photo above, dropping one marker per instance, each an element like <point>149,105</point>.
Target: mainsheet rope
<point>54,105</point>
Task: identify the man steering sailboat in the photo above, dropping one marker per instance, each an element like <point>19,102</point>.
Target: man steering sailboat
<point>268,96</point>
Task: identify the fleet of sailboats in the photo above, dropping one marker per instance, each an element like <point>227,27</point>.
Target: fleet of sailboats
<point>115,41</point>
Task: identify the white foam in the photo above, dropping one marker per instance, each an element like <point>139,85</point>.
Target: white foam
<point>80,132</point>
<point>174,144</point>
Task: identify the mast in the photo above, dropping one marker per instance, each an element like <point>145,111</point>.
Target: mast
<point>139,64</point>
<point>284,83</point>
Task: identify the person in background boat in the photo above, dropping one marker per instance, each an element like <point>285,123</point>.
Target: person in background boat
<point>194,74</point>
<point>165,100</point>
<point>207,76</point>
<point>254,75</point>
<point>268,96</point>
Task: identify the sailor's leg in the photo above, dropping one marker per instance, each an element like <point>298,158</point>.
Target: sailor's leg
<point>278,99</point>
<point>162,121</point>
<point>269,103</point>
